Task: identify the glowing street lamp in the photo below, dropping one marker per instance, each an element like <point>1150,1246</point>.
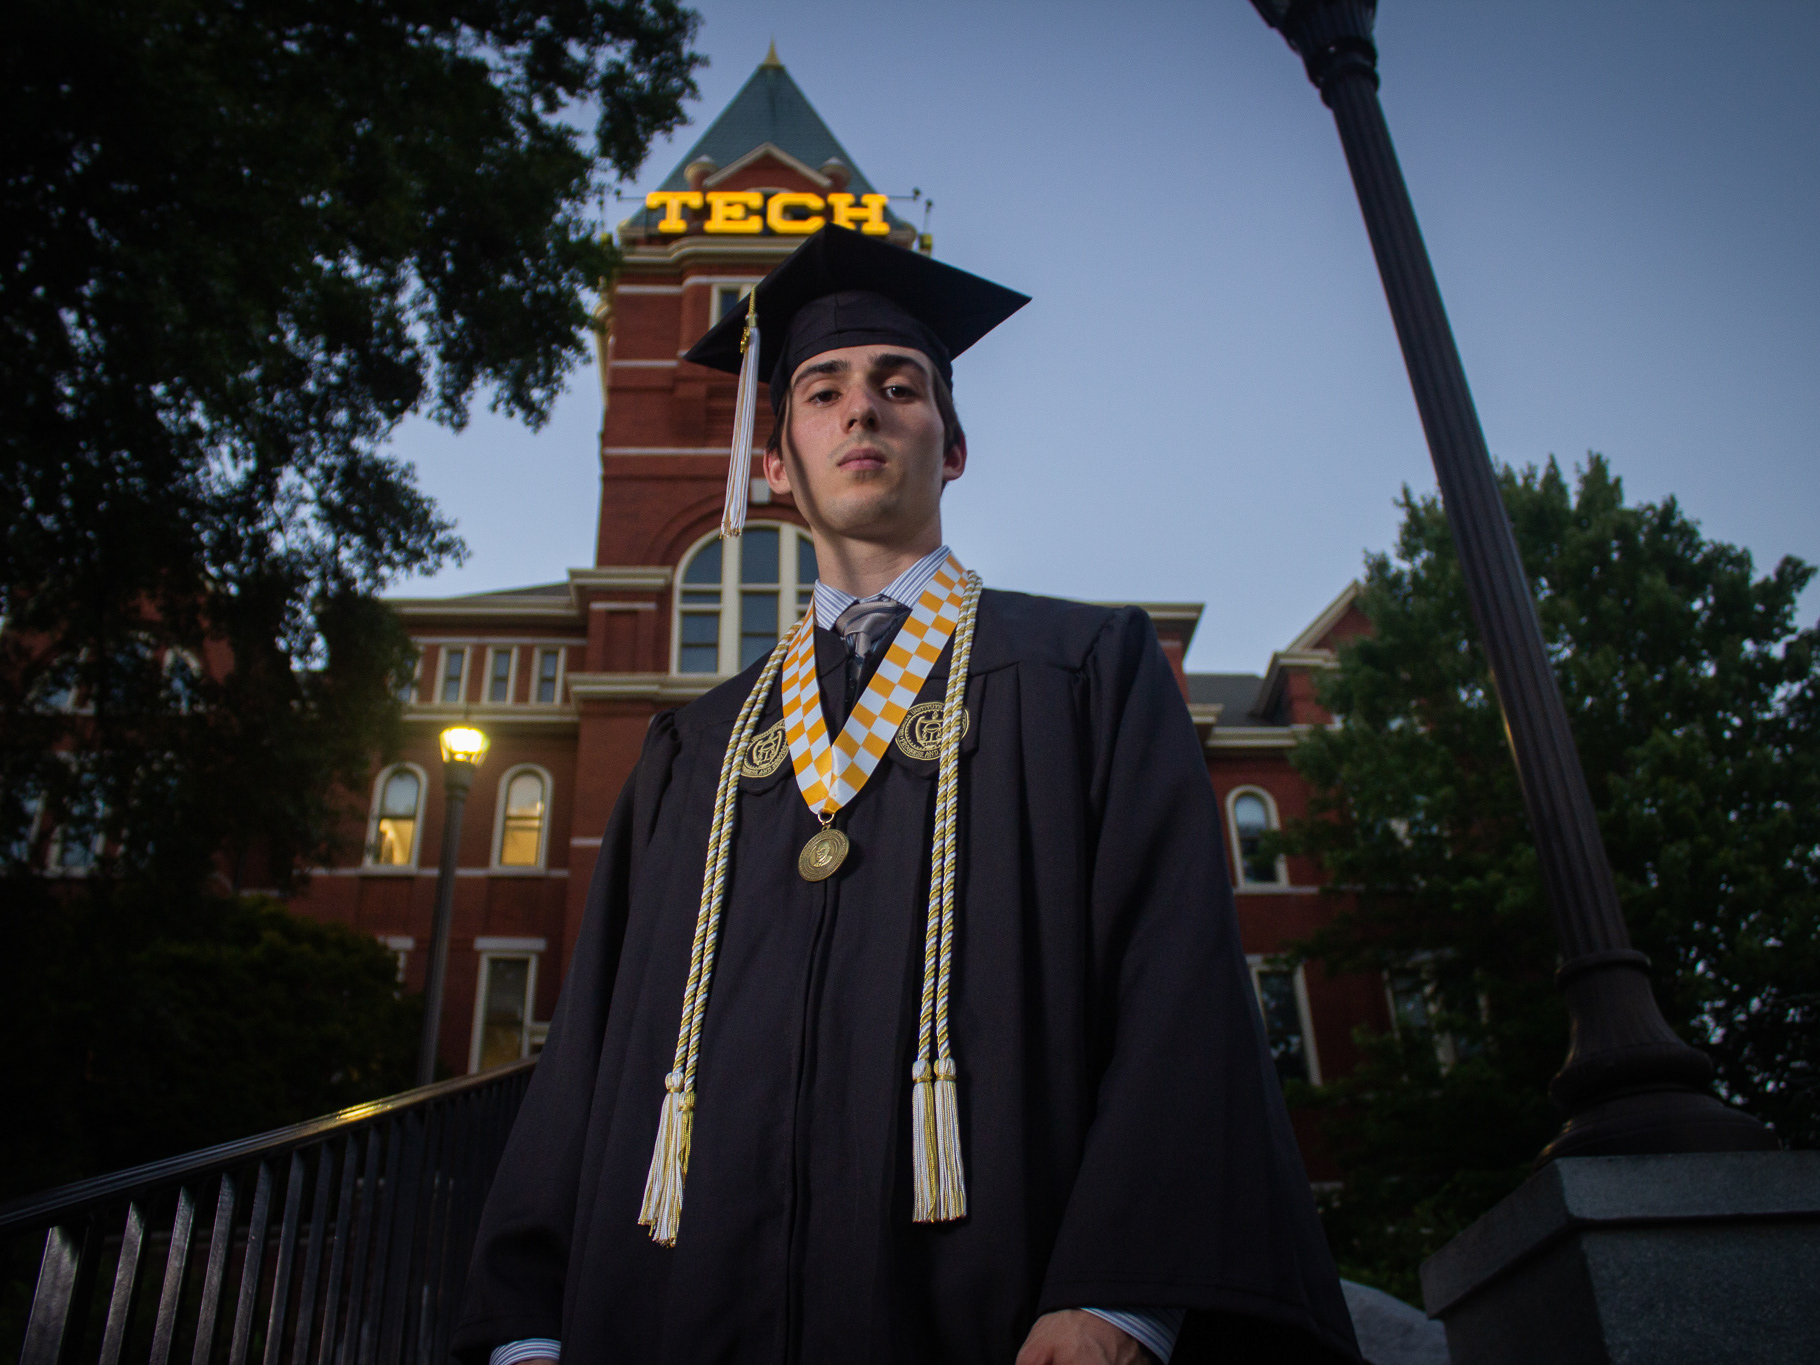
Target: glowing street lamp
<point>463,749</point>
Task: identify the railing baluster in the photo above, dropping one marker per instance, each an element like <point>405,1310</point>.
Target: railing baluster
<point>312,1256</point>
<point>176,1262</point>
<point>51,1303</point>
<point>250,1267</point>
<point>338,1252</point>
<point>405,1225</point>
<point>363,1237</point>
<point>287,1250</point>
<point>126,1279</point>
<point>450,1260</point>
<point>214,1280</point>
<point>374,1316</point>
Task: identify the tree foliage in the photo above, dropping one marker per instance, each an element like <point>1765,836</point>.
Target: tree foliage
<point>1694,700</point>
<point>238,243</point>
<point>145,1024</point>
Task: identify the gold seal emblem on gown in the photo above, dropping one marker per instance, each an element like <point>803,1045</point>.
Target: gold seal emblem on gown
<point>766,753</point>
<point>920,734</point>
<point>822,855</point>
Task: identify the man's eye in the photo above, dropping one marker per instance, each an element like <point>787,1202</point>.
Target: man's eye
<point>823,395</point>
<point>899,391</point>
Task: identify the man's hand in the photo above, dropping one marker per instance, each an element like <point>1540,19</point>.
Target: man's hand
<point>1074,1336</point>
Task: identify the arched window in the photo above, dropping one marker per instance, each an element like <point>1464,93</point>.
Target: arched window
<point>396,824</point>
<point>523,818</point>
<point>1253,814</point>
<point>736,595</point>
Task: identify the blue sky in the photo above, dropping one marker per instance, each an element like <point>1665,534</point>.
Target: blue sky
<point>1206,402</point>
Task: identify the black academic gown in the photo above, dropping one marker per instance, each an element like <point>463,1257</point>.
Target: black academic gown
<point>1125,1140</point>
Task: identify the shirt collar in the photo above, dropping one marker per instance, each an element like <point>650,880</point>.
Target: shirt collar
<point>906,589</point>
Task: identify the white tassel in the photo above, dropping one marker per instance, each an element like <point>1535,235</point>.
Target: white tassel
<point>950,1179</point>
<point>662,1209</point>
<point>924,1144</point>
<point>745,414</point>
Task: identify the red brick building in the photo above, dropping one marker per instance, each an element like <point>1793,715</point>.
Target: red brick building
<point>566,676</point>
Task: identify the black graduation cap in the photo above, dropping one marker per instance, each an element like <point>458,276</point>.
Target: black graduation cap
<point>841,288</point>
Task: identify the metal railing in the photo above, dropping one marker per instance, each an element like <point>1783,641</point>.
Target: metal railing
<point>346,1240</point>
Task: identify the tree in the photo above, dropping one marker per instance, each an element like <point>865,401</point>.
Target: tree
<point>238,243</point>
<point>1695,705</point>
<point>145,1023</point>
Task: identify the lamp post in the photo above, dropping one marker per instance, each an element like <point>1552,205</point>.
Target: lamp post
<point>463,748</point>
<point>1629,1084</point>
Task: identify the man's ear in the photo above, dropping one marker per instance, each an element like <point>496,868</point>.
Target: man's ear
<point>954,460</point>
<point>777,473</point>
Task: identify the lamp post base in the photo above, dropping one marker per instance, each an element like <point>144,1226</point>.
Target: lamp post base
<point>1694,1259</point>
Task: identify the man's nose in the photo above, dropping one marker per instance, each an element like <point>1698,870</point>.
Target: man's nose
<point>861,412</point>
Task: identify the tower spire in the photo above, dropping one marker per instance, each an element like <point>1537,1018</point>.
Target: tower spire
<point>771,57</point>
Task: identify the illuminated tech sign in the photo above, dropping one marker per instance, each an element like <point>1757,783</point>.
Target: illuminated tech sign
<point>789,212</point>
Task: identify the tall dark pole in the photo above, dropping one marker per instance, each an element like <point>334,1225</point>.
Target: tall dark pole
<point>457,777</point>
<point>1629,1084</point>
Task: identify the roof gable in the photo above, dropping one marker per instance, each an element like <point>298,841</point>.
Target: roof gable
<point>769,108</point>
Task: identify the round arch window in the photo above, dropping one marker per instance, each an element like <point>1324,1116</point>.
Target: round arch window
<point>734,597</point>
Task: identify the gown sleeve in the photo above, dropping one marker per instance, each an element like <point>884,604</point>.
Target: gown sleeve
<point>1191,1192</point>
<point>521,1250</point>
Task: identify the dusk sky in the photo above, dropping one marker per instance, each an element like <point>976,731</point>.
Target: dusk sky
<point>1205,402</point>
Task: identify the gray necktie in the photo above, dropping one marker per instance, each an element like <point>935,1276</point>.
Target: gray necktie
<point>865,626</point>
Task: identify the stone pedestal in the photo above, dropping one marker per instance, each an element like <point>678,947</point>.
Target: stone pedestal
<point>1705,1258</point>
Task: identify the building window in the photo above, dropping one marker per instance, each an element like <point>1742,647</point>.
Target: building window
<point>737,595</point>
<point>400,946</point>
<point>1283,1003</point>
<point>1253,815</point>
<point>549,671</point>
<point>503,1031</point>
<point>524,807</point>
<point>728,297</point>
<point>499,676</point>
<point>396,823</point>
<point>454,673</point>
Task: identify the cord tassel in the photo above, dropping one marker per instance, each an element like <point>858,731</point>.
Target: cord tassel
<point>925,1145</point>
<point>745,414</point>
<point>938,1173</point>
<point>662,1209</point>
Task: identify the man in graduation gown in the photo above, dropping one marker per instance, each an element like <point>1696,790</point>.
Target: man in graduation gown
<point>1132,1189</point>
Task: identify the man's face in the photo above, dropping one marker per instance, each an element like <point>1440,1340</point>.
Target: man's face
<point>863,453</point>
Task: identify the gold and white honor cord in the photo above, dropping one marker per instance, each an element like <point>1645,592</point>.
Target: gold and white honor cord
<point>661,1211</point>
<point>940,1184</point>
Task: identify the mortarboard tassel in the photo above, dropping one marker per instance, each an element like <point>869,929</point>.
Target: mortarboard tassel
<point>745,413</point>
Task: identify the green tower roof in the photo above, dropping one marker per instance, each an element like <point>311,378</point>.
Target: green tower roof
<point>770,107</point>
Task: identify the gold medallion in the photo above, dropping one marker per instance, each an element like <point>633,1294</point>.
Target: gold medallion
<point>823,854</point>
<point>920,734</point>
<point>766,753</point>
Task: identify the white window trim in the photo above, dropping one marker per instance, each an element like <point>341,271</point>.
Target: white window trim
<point>467,648</point>
<point>423,801</point>
<point>562,668</point>
<point>1261,962</point>
<point>493,652</point>
<point>1239,879</point>
<point>488,956</point>
<point>499,816</point>
<point>788,589</point>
